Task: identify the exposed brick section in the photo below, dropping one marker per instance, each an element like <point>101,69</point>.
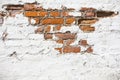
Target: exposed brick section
<point>48,36</point>
<point>52,21</point>
<point>35,13</point>
<point>54,14</point>
<point>66,36</point>
<point>71,49</point>
<point>70,20</point>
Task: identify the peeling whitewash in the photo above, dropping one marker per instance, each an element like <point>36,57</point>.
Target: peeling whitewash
<point>35,59</point>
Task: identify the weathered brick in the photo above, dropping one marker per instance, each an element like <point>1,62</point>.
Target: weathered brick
<point>89,50</point>
<point>83,43</point>
<point>48,35</point>
<point>54,13</point>
<point>35,13</point>
<point>87,21</point>
<point>65,36</point>
<point>65,13</point>
<point>59,49</point>
<point>60,41</point>
<point>68,42</point>
<point>52,21</point>
<point>34,21</point>
<point>90,14</point>
<point>47,29</point>
<point>57,28</point>
<point>70,20</point>
<point>32,6</point>
<point>71,49</point>
<point>87,28</point>
<point>39,30</point>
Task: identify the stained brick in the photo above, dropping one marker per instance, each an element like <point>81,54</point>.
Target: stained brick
<point>54,13</point>
<point>48,36</point>
<point>71,49</point>
<point>59,49</point>
<point>70,20</point>
<point>13,7</point>
<point>65,36</point>
<point>87,28</point>
<point>35,13</point>
<point>47,29</point>
<point>89,50</point>
<point>52,21</point>
<point>39,30</point>
<point>83,42</point>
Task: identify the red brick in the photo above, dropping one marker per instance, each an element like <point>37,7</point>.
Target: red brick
<point>47,29</point>
<point>87,28</point>
<point>65,36</point>
<point>87,9</point>
<point>83,42</point>
<point>59,49</point>
<point>89,50</point>
<point>70,20</point>
<point>54,13</point>
<point>48,36</point>
<point>39,30</point>
<point>71,49</point>
<point>52,21</point>
<point>35,13</point>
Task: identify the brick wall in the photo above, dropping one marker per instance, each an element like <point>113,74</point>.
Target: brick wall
<point>50,22</point>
